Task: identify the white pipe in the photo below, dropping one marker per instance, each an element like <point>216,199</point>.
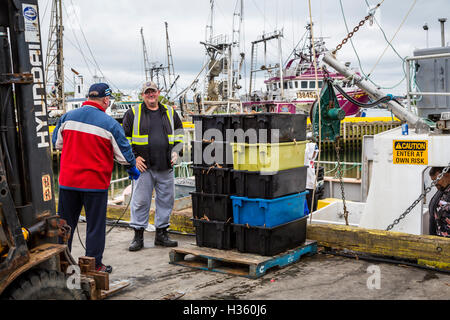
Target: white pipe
<point>430,56</point>
<point>396,108</point>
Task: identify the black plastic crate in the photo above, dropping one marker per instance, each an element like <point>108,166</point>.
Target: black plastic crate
<point>270,241</point>
<point>209,154</point>
<point>214,234</point>
<point>290,127</point>
<point>214,126</point>
<point>214,180</point>
<point>270,186</point>
<point>215,207</point>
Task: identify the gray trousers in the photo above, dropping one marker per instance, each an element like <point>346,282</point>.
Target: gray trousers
<point>163,183</point>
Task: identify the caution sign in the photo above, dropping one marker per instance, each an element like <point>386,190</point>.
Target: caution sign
<point>411,152</point>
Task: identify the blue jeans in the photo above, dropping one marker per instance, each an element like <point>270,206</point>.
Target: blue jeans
<point>95,204</point>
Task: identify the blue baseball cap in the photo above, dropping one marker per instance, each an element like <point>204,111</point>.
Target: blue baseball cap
<point>99,90</point>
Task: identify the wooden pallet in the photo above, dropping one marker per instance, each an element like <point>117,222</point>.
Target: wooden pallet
<point>233,262</point>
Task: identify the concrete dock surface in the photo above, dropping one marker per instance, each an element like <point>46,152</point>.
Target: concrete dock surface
<point>318,277</point>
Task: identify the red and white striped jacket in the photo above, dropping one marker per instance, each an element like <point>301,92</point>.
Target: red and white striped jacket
<point>90,141</point>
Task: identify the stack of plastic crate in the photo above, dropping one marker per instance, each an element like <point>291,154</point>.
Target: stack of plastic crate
<point>211,203</point>
<point>270,180</point>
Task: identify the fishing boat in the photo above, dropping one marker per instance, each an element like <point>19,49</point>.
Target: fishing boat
<point>293,89</point>
<point>119,108</point>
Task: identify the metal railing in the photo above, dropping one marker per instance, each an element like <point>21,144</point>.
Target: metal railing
<point>182,170</point>
<point>410,93</point>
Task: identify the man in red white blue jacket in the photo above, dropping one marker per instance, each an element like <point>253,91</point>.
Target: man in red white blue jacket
<point>90,141</point>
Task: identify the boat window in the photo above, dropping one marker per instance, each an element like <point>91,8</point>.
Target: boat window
<point>274,86</point>
<point>296,84</point>
<point>291,85</point>
<point>285,85</point>
<point>320,84</point>
<point>268,87</point>
<point>304,84</point>
<point>279,85</point>
<point>312,84</point>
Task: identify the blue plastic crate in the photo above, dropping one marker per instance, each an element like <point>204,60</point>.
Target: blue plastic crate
<point>268,213</point>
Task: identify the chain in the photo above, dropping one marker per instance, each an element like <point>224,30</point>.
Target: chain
<point>341,181</point>
<point>356,29</point>
<point>421,197</point>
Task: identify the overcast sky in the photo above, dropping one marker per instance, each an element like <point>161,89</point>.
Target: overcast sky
<point>112,30</point>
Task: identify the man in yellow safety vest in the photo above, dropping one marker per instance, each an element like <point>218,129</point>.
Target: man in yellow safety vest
<point>155,132</point>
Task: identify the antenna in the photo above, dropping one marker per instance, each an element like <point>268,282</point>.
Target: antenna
<point>54,62</point>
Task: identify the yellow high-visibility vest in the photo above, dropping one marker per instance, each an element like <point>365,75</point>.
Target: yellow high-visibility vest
<point>142,140</point>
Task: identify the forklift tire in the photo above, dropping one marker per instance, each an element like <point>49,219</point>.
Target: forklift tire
<point>43,285</point>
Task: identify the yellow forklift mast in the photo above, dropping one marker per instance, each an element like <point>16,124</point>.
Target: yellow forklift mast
<point>34,259</point>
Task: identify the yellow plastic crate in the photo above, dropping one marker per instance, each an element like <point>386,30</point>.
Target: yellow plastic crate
<point>268,157</point>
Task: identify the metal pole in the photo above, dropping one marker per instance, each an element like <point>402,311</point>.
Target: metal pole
<point>430,56</point>
<point>281,68</point>
<point>396,108</point>
<point>442,21</point>
<point>425,27</point>
<point>408,84</point>
<point>60,59</point>
<point>251,71</point>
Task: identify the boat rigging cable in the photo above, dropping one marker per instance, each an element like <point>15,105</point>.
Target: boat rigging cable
<point>357,55</point>
<point>76,18</point>
<point>401,25</point>
<point>371,16</point>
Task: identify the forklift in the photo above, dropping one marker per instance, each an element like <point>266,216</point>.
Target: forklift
<point>35,262</point>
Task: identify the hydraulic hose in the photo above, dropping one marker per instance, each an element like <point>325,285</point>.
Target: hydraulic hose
<point>363,105</point>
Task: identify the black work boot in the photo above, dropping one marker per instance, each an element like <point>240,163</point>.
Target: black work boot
<point>138,241</point>
<point>162,238</point>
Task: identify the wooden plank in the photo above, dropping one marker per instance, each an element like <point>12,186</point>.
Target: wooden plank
<point>383,243</point>
<point>225,255</point>
<point>115,287</point>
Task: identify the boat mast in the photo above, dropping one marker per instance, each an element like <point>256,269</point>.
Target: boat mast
<point>152,70</point>
<point>236,55</point>
<point>146,61</point>
<point>210,27</point>
<point>170,67</point>
<point>54,70</point>
<point>253,66</point>
<point>280,55</point>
